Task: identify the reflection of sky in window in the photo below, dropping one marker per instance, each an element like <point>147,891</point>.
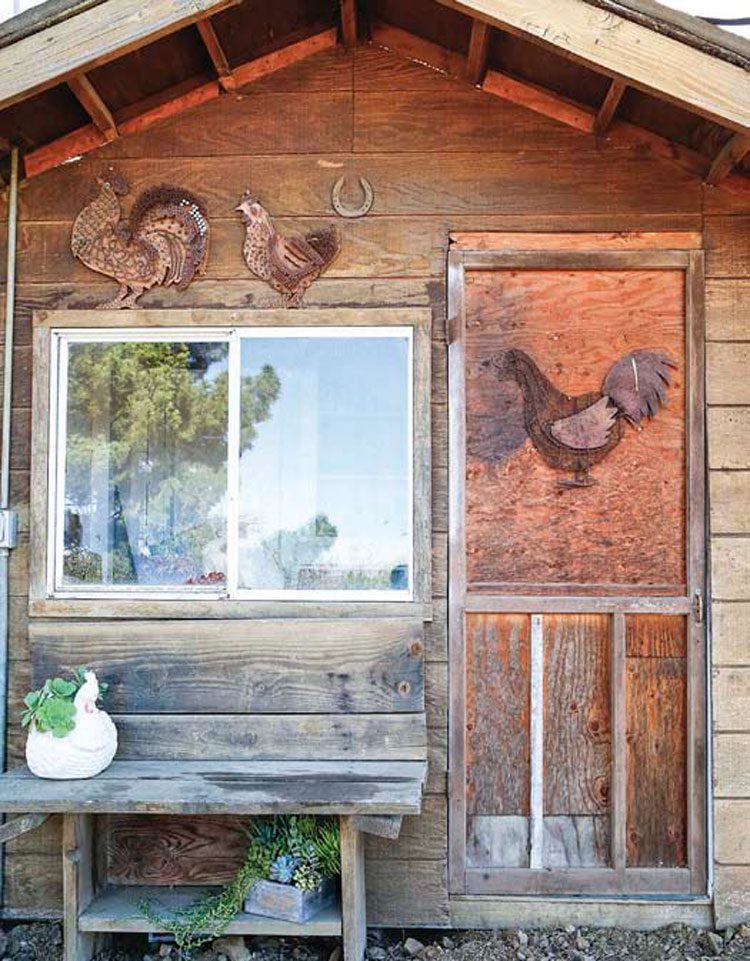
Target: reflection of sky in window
<point>336,443</point>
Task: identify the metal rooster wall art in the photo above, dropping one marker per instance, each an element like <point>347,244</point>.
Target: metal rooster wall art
<point>575,433</point>
<point>165,240</point>
<point>288,263</point>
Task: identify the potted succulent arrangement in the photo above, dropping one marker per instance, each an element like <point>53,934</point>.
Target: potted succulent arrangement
<point>302,858</point>
<point>288,872</point>
<point>69,736</point>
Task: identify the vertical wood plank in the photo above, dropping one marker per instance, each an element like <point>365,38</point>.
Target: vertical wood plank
<point>657,752</point>
<point>696,733</point>
<point>619,746</point>
<point>456,576</point>
<point>497,714</point>
<point>537,743</point>
<point>78,883</point>
<point>354,917</point>
<point>576,714</point>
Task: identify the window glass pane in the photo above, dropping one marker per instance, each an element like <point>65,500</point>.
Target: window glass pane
<point>324,500</point>
<point>145,464</point>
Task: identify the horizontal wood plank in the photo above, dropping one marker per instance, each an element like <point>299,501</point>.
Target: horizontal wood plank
<point>193,667</point>
<point>216,787</point>
<point>731,690</point>
<point>728,309</point>
<point>730,496</point>
<point>730,568</point>
<point>732,831</point>
<point>414,183</point>
<point>727,246</point>
<point>728,430</point>
<point>732,765</point>
<point>728,373</point>
<point>730,630</point>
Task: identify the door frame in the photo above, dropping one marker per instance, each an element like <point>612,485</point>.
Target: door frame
<point>572,252</point>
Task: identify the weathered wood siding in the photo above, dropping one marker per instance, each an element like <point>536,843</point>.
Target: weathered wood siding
<point>727,239</point>
<point>441,157</point>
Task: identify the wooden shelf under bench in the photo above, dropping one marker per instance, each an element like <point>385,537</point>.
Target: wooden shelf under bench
<point>116,909</point>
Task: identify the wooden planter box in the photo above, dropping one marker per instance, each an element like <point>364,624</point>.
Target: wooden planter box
<point>273,900</point>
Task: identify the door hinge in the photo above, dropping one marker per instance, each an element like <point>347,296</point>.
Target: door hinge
<point>698,611</point>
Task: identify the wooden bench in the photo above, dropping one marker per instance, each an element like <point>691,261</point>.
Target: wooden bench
<point>347,737</point>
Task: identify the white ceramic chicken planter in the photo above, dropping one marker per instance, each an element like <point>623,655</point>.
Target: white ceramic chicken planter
<point>86,751</point>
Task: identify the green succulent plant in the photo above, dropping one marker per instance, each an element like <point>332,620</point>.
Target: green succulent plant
<point>51,708</point>
<point>311,844</point>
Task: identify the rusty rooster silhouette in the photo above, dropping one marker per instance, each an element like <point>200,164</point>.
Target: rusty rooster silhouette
<point>575,433</point>
<point>165,240</point>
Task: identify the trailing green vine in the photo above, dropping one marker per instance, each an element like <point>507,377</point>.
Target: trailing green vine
<point>290,849</point>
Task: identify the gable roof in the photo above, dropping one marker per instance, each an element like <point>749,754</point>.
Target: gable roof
<point>75,74</point>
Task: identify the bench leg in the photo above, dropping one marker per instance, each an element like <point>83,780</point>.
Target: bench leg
<point>78,883</point>
<point>353,913</point>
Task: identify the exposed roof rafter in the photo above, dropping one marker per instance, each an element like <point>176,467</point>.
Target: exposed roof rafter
<point>627,51</point>
<point>171,102</point>
<point>216,53</point>
<point>476,59</point>
<point>348,11</point>
<point>95,36</point>
<point>728,157</point>
<point>89,98</point>
<point>609,106</point>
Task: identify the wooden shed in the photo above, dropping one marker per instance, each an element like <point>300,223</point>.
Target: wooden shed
<point>489,467</point>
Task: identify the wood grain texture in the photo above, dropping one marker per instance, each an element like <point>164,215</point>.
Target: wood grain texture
<point>728,309</point>
<point>655,636</point>
<point>728,373</point>
<point>728,429</point>
<point>727,246</point>
<point>657,761</point>
<point>731,686</point>
<point>730,629</point>
<point>497,714</point>
<point>575,324</point>
<point>188,667</point>
<point>577,734</point>
<point>730,568</point>
<point>732,765</point>
<point>222,788</point>
<point>576,841</point>
<point>730,496</point>
<point>268,736</point>
<point>494,841</point>
<point>732,831</point>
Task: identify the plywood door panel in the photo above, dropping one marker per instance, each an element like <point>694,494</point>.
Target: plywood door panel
<point>525,531</point>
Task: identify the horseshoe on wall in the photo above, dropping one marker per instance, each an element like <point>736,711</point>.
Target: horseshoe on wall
<point>352,212</point>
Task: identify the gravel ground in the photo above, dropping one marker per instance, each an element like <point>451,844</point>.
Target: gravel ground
<point>43,942</point>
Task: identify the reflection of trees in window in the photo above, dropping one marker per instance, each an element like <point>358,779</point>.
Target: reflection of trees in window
<point>294,551</point>
<point>147,453</point>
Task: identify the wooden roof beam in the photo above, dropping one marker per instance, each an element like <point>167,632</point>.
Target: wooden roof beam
<point>95,36</point>
<point>728,157</point>
<point>609,106</point>
<point>216,53</point>
<point>89,98</point>
<point>348,10</point>
<point>625,50</point>
<point>476,59</point>
<point>169,103</point>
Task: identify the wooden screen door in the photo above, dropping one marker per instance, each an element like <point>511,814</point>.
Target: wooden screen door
<point>577,665</point>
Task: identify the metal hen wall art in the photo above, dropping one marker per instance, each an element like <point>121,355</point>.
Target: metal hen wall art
<point>574,433</point>
<point>288,263</point>
<point>165,240</point>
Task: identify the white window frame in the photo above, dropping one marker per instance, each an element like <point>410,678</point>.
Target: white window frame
<point>60,340</point>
